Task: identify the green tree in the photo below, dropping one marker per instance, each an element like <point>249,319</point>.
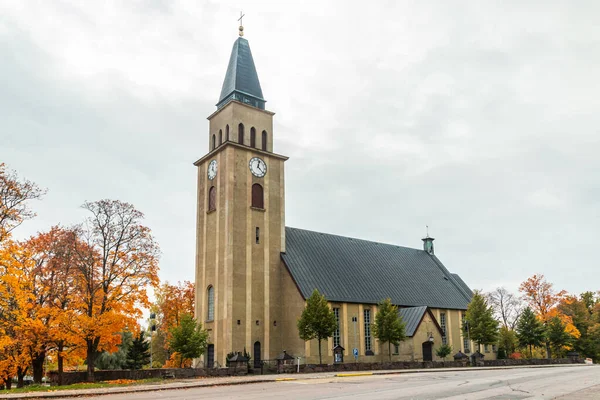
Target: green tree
<point>317,320</point>
<point>443,351</point>
<point>507,341</point>
<point>388,326</point>
<point>138,354</point>
<point>530,330</point>
<point>557,335</point>
<point>480,325</point>
<point>188,338</point>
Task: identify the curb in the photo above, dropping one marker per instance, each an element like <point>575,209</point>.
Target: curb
<point>355,374</point>
<point>126,389</point>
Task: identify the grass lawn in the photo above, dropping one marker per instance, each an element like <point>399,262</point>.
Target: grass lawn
<point>40,388</point>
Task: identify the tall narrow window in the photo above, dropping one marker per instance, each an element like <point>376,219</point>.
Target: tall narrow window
<point>211,303</point>
<point>396,349</point>
<point>443,326</point>
<point>367,319</point>
<point>466,344</point>
<point>257,196</point>
<point>336,333</point>
<point>212,199</point>
<point>264,140</point>
<point>213,142</point>
<point>252,137</point>
<point>241,133</point>
<point>227,133</point>
<point>257,235</point>
<point>220,137</point>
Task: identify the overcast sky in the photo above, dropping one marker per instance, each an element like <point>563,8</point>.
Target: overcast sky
<point>480,119</point>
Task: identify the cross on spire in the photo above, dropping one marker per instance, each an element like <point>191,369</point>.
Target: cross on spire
<point>242,15</point>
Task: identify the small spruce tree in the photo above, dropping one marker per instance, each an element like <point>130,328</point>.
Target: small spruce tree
<point>388,326</point>
<point>443,351</point>
<point>530,330</point>
<point>317,320</point>
<point>138,353</point>
<point>557,335</point>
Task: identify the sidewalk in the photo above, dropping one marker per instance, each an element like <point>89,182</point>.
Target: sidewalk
<point>239,380</point>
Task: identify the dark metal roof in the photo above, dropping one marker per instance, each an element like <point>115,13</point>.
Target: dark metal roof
<point>464,286</point>
<point>412,316</point>
<point>241,80</point>
<point>359,271</point>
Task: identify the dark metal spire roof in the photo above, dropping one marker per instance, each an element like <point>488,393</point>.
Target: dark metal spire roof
<point>241,81</point>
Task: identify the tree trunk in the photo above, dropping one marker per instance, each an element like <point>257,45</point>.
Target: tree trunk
<point>547,349</point>
<point>390,350</point>
<point>8,383</point>
<point>320,361</point>
<point>37,363</point>
<point>90,360</point>
<point>20,377</point>
<point>530,351</point>
<point>60,364</point>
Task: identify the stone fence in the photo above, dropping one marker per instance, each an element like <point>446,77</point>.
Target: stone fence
<point>181,373</point>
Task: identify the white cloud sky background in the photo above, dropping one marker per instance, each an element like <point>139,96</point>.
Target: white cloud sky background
<point>479,119</point>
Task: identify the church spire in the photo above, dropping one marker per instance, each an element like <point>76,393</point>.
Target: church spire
<point>241,80</point>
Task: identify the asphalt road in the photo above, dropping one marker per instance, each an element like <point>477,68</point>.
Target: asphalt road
<point>532,383</point>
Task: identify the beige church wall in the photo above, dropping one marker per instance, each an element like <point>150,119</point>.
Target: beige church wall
<point>235,113</point>
<point>292,307</point>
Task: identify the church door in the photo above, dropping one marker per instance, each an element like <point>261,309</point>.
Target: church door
<point>427,351</point>
<point>210,356</point>
<point>257,355</point>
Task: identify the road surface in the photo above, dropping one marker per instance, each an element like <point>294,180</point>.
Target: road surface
<point>532,383</point>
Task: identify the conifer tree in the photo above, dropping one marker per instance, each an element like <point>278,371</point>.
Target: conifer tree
<point>530,330</point>
<point>481,325</point>
<point>557,335</point>
<point>443,351</point>
<point>138,354</point>
<point>317,320</point>
<point>388,326</point>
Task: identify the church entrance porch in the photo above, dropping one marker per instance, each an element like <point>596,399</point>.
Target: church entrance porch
<point>427,351</point>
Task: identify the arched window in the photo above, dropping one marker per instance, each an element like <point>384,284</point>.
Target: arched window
<point>257,196</point>
<point>241,133</point>
<point>220,137</point>
<point>210,294</point>
<point>227,133</point>
<point>212,199</point>
<point>264,140</point>
<point>213,142</point>
<point>252,137</point>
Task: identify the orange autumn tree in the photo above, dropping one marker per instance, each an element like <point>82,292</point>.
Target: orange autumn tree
<point>15,302</point>
<point>118,262</point>
<point>14,194</point>
<point>49,271</point>
<point>172,301</point>
<point>542,298</point>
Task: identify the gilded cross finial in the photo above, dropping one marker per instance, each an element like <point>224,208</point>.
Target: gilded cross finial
<point>242,15</point>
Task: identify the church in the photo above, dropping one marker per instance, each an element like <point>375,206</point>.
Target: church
<point>254,273</point>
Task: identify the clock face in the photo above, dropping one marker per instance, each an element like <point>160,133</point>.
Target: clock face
<point>258,167</point>
<point>212,169</point>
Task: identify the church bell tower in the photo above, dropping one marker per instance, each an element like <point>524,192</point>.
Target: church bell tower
<point>240,225</point>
